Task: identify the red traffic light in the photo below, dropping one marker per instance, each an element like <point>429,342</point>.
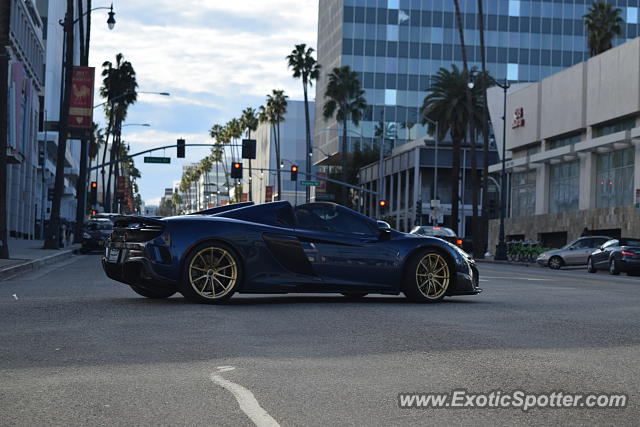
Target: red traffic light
<point>94,184</point>
<point>236,165</point>
<point>94,212</point>
<point>382,203</point>
<point>294,168</point>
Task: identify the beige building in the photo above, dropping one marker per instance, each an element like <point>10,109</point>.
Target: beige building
<point>573,154</point>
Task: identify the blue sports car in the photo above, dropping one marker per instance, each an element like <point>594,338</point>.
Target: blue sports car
<point>274,248</point>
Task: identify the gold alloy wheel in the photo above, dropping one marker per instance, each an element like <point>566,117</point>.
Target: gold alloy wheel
<point>432,276</point>
<point>213,272</point>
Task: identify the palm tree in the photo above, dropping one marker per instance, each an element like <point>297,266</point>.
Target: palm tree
<point>119,87</point>
<point>250,124</point>
<point>485,139</point>
<point>217,155</point>
<point>446,104</point>
<point>305,67</point>
<point>345,99</point>
<point>603,23</point>
<point>276,108</point>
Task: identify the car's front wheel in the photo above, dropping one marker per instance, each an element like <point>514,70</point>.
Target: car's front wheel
<point>155,294</point>
<point>555,263</point>
<point>590,267</point>
<point>211,273</point>
<point>428,276</point>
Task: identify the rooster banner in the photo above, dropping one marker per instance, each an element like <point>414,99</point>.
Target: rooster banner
<point>81,105</point>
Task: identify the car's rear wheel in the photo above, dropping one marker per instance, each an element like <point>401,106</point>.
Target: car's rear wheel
<point>590,267</point>
<point>613,267</point>
<point>155,294</point>
<point>555,263</point>
<point>428,276</point>
<point>211,273</point>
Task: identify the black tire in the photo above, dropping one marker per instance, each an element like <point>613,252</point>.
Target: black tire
<point>555,262</point>
<point>590,266</point>
<point>613,267</point>
<point>155,294</point>
<point>354,295</point>
<point>416,291</point>
<point>217,250</point>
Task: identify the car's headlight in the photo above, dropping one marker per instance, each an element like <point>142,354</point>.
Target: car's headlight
<point>543,256</point>
<point>86,235</point>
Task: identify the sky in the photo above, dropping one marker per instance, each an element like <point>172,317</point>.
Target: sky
<point>215,57</point>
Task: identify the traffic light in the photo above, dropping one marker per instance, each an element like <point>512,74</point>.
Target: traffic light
<point>93,193</point>
<point>94,212</point>
<point>248,148</point>
<point>294,173</point>
<point>181,148</point>
<point>419,207</point>
<point>236,170</point>
<point>382,203</point>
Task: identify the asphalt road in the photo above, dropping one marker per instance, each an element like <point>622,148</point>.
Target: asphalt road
<point>79,349</point>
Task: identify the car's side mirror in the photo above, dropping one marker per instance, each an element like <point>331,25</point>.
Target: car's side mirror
<point>572,248</point>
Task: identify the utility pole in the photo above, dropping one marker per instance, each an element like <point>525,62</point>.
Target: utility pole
<point>81,187</point>
<point>52,240</point>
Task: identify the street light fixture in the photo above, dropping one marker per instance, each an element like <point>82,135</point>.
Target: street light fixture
<point>129,93</point>
<point>111,22</point>
<point>501,248</point>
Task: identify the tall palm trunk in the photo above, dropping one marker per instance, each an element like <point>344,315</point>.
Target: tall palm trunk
<point>104,159</point>
<point>276,131</point>
<point>485,142</point>
<point>115,145</point>
<point>344,159</point>
<point>471,133</point>
<point>308,136</point>
<point>455,183</point>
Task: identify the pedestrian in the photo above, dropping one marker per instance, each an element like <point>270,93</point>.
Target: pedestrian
<point>585,232</point>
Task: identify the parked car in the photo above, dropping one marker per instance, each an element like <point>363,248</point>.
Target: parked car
<point>442,232</point>
<point>575,253</point>
<point>616,255</point>
<point>95,232</point>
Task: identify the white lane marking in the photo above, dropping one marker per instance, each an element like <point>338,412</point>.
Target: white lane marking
<point>247,401</point>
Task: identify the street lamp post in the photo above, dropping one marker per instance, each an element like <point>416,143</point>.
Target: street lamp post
<point>501,248</point>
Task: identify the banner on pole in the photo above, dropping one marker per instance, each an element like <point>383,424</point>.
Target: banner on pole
<point>268,193</point>
<point>81,101</point>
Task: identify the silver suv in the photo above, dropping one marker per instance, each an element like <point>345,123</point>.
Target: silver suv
<point>575,253</point>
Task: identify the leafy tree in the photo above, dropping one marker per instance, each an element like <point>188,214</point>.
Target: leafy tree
<point>603,23</point>
<point>306,68</point>
<point>273,112</point>
<point>344,99</point>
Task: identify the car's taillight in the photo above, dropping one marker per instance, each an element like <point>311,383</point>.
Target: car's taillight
<point>459,242</point>
<point>628,253</point>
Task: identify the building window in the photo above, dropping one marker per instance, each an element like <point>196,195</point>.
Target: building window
<point>392,4</point>
<point>392,33</point>
<point>512,71</point>
<point>514,7</point>
<point>564,141</point>
<point>614,185</point>
<point>613,127</point>
<point>564,187</point>
<point>390,96</point>
<point>632,15</point>
<point>523,193</point>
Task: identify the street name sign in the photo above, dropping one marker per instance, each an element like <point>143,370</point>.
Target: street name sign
<point>157,159</point>
<point>310,183</point>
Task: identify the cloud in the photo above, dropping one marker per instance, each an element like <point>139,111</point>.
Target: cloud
<point>214,57</point>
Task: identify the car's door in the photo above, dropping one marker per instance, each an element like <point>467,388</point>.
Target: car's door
<point>344,247</point>
<point>600,258</point>
<point>573,252</point>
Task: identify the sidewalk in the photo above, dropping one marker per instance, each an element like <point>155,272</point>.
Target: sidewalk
<point>28,255</point>
<point>490,260</point>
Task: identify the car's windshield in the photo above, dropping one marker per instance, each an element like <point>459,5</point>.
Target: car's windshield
<point>629,242</point>
<point>434,231</point>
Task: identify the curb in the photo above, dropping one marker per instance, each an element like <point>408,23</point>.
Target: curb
<point>32,265</point>
<point>520,264</point>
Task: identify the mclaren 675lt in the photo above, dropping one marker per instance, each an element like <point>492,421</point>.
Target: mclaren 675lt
<point>274,248</point>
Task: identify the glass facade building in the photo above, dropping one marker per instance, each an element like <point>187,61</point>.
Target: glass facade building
<point>397,45</point>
